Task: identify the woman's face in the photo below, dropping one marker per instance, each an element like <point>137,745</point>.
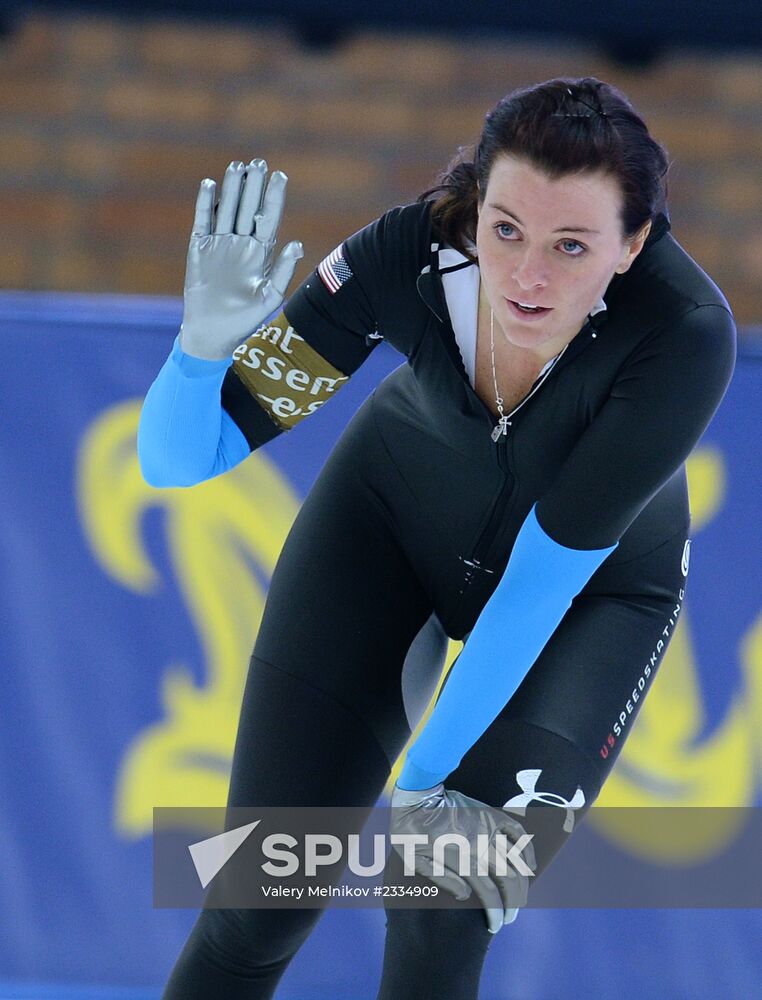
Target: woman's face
<point>528,254</point>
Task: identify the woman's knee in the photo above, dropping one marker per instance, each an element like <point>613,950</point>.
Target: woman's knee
<point>433,954</point>
<point>445,927</point>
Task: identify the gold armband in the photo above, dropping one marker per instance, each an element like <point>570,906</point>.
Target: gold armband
<point>285,375</point>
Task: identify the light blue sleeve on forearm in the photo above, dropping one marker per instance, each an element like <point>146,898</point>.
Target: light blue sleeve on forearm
<point>184,434</point>
<point>537,588</point>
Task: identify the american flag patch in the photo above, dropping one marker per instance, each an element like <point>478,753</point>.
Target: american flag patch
<point>334,270</point>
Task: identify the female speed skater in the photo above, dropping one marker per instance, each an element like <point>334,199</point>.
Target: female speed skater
<point>518,482</point>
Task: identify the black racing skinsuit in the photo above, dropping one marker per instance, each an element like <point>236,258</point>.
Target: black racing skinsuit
<point>413,515</point>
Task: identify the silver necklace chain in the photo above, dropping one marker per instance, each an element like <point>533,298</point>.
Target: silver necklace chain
<point>501,427</point>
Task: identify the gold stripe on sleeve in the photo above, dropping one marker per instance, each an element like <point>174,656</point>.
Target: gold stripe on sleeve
<point>286,376</point>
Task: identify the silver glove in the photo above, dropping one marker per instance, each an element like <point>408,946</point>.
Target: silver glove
<point>231,283</point>
<point>510,862</point>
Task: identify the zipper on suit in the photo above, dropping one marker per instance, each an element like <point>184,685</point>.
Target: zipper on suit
<point>489,532</point>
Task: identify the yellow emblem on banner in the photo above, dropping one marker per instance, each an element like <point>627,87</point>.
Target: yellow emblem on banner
<point>666,761</point>
<point>215,533</point>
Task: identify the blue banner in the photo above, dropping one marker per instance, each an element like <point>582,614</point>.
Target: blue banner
<point>129,614</point>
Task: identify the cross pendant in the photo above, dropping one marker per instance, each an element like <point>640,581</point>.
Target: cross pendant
<point>501,427</point>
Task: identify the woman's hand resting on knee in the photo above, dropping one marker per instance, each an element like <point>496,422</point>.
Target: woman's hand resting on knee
<point>497,860</point>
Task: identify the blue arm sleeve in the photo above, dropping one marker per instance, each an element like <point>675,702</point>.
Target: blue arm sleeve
<point>184,434</point>
<point>535,591</point>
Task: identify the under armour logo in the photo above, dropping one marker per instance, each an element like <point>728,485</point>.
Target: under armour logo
<point>527,781</point>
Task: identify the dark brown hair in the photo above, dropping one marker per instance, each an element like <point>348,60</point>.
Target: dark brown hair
<point>561,127</point>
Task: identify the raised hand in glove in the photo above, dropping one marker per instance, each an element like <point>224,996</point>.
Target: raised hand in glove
<point>436,811</point>
<point>231,282</point>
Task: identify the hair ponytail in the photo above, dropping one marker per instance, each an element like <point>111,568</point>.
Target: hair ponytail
<point>455,212</point>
